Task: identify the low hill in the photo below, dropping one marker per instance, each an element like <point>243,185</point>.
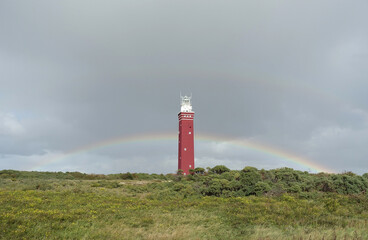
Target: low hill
<point>217,203</point>
<point>221,181</point>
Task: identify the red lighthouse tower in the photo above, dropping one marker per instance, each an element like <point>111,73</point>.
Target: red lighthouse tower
<point>186,136</point>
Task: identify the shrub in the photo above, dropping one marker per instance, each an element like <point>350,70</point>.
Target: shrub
<point>249,177</point>
<point>127,176</point>
<point>199,170</point>
<point>219,169</point>
<point>261,187</point>
<point>331,204</point>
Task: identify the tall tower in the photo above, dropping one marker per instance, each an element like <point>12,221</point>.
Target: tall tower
<point>186,136</point>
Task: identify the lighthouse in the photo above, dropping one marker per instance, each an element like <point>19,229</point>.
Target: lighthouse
<point>186,136</point>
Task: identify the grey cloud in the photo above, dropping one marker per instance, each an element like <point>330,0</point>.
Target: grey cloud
<point>79,72</point>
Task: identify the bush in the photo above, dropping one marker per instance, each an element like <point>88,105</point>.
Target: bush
<point>249,177</point>
<point>261,187</point>
<point>128,176</point>
<point>331,204</point>
<point>199,170</point>
<point>219,169</point>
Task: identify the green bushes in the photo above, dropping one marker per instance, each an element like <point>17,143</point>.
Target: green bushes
<point>99,215</point>
<point>128,176</point>
<point>221,181</point>
<point>219,169</point>
<point>199,170</point>
<point>261,188</point>
<point>218,181</point>
<point>245,204</point>
<point>13,174</point>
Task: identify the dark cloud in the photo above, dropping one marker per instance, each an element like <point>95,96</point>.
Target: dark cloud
<point>289,75</point>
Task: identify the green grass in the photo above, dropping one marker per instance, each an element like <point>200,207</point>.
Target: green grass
<point>36,208</point>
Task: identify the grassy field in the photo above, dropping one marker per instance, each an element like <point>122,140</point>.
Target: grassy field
<point>54,208</point>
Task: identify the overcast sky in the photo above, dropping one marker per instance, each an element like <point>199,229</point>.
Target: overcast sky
<point>287,74</point>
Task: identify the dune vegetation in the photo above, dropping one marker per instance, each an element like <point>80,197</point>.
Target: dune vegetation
<point>212,203</point>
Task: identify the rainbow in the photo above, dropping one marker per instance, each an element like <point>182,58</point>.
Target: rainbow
<point>262,148</point>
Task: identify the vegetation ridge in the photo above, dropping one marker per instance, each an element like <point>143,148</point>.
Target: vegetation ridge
<point>212,203</point>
